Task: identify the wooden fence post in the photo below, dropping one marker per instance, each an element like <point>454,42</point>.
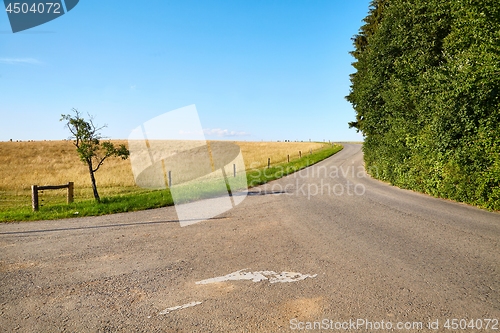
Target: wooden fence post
<point>71,187</point>
<point>35,188</point>
<point>268,162</point>
<point>288,158</point>
<point>34,197</point>
<point>300,154</point>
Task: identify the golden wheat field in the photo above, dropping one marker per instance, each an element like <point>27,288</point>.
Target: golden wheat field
<point>23,164</point>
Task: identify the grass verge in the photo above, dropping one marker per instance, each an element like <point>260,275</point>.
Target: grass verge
<point>257,177</point>
<point>140,199</point>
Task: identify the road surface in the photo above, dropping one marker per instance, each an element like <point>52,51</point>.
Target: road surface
<point>327,248</point>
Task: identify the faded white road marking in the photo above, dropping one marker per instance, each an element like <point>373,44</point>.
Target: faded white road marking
<point>258,276</point>
<point>179,307</point>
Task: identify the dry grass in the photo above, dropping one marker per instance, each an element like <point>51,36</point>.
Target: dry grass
<point>256,153</point>
<point>23,164</point>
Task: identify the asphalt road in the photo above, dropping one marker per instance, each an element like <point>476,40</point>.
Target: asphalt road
<point>362,253</point>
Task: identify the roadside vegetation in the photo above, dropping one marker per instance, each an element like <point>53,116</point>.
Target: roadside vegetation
<point>426,92</point>
<point>23,164</point>
<point>91,149</point>
<point>261,176</point>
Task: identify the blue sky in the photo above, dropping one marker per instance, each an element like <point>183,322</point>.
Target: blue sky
<point>256,70</point>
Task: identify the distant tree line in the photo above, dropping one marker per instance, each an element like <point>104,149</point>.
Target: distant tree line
<point>426,96</point>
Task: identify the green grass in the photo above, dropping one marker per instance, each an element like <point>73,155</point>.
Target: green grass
<point>108,205</point>
<point>139,199</point>
<point>262,176</point>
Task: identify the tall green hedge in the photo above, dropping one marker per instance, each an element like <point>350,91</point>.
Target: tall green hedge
<point>426,96</point>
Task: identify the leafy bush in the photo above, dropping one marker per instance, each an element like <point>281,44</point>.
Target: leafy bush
<point>426,96</point>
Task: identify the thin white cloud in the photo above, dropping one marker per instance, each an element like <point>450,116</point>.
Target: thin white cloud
<point>16,61</point>
<point>223,132</point>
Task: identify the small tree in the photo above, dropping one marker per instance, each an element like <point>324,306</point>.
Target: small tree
<point>87,139</point>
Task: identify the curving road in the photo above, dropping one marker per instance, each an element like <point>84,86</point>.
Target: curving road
<point>328,246</point>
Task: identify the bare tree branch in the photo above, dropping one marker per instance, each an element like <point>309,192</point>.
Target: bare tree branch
<point>88,144</point>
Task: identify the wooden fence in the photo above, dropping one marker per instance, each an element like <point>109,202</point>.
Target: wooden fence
<point>36,188</point>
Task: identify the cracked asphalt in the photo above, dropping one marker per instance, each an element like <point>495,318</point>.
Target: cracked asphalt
<point>371,251</point>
